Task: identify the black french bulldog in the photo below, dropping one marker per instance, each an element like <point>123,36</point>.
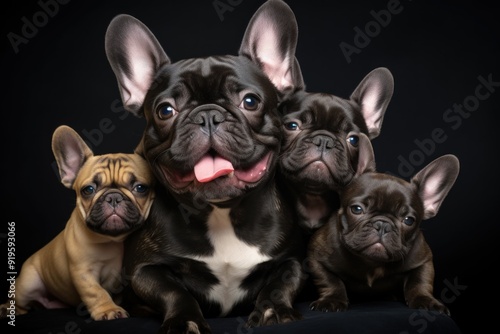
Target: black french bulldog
<point>373,247</point>
<point>319,153</point>
<point>219,234</point>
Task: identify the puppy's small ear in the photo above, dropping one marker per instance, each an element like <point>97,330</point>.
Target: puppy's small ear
<point>434,181</point>
<point>373,95</point>
<point>135,55</point>
<point>70,152</point>
<point>270,41</point>
<point>365,161</point>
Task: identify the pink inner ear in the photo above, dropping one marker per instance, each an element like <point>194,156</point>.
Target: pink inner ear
<point>274,64</point>
<point>70,167</point>
<point>67,178</point>
<point>136,83</point>
<point>279,74</point>
<point>431,194</point>
<point>369,107</point>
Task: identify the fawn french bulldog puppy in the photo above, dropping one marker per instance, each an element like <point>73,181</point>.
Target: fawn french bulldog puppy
<point>373,246</point>
<point>220,235</point>
<point>84,261</point>
<point>320,132</point>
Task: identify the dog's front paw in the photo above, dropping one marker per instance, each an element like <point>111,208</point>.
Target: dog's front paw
<point>180,325</point>
<point>428,303</point>
<point>273,316</point>
<point>108,312</point>
<point>329,305</point>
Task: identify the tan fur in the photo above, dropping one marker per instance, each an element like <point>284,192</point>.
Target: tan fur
<point>81,265</point>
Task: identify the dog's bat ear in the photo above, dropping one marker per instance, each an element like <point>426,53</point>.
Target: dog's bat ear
<point>373,95</point>
<point>434,181</point>
<point>270,41</point>
<point>362,155</point>
<point>71,152</point>
<point>135,55</point>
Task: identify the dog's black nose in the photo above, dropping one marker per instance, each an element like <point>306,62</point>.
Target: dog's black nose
<point>113,199</point>
<point>382,227</point>
<point>323,142</point>
<point>209,120</point>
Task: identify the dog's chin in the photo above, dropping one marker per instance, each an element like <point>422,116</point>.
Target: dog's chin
<point>377,252</point>
<point>112,225</point>
<point>221,188</point>
<point>315,178</point>
<point>372,248</point>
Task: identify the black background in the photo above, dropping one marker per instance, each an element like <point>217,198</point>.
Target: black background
<point>436,51</point>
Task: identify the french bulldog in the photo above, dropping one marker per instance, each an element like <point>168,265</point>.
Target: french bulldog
<point>374,247</point>
<point>220,235</point>
<point>83,263</point>
<point>319,153</point>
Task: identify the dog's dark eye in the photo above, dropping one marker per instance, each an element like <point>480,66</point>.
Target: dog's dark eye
<point>292,126</point>
<point>356,209</point>
<point>88,190</point>
<point>353,140</point>
<point>165,111</point>
<point>409,221</point>
<point>141,188</point>
<point>250,102</point>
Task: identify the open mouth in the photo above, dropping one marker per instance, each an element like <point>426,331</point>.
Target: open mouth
<point>213,166</point>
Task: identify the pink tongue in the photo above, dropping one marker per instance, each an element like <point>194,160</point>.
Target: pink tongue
<point>209,168</point>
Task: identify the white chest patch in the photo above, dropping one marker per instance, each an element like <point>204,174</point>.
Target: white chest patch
<point>231,261</point>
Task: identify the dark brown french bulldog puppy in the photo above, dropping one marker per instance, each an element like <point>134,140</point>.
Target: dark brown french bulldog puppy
<point>374,246</point>
<point>320,137</point>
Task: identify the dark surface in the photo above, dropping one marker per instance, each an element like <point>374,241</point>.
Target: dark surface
<point>378,317</point>
<point>438,51</point>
